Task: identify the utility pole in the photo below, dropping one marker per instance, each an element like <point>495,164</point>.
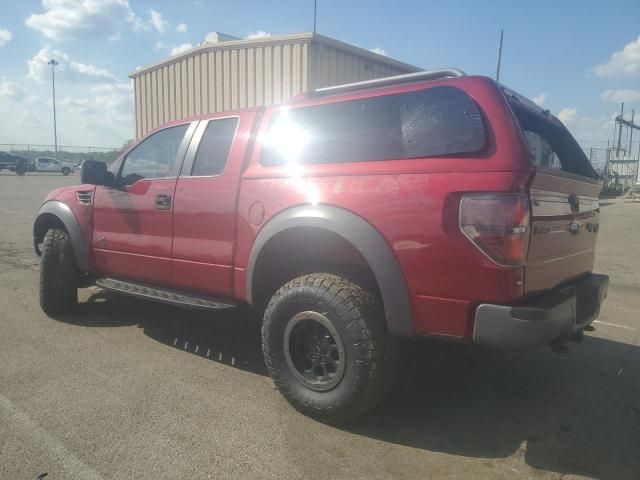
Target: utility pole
<point>620,129</point>
<point>606,166</point>
<point>315,10</point>
<point>631,132</point>
<point>53,64</point>
<point>499,56</point>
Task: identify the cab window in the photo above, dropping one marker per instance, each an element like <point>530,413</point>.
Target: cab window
<point>211,157</point>
<point>155,157</point>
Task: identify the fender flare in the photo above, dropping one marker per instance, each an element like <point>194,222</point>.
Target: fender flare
<point>364,237</point>
<point>63,213</point>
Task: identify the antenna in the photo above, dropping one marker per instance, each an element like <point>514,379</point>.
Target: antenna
<point>315,12</point>
<point>499,56</point>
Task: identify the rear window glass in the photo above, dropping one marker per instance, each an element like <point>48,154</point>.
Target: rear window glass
<point>211,157</point>
<point>551,145</point>
<point>438,121</point>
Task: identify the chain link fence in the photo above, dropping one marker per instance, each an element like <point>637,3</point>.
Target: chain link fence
<point>618,168</point>
<point>69,153</point>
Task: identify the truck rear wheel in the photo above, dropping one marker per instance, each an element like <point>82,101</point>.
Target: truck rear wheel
<point>58,274</point>
<point>326,348</point>
<point>66,171</point>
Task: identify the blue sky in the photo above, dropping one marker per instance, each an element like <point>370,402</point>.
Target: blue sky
<point>577,58</point>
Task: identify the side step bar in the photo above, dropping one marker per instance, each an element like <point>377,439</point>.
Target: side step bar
<point>162,294</point>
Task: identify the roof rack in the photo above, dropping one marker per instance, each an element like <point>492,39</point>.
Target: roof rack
<point>379,82</point>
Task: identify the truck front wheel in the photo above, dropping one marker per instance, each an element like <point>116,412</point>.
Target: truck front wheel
<point>326,348</point>
<point>66,171</point>
<point>58,274</point>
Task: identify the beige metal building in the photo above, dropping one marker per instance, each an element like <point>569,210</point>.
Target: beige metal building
<point>226,75</point>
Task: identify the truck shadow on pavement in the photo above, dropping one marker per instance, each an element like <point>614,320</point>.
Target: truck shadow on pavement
<point>576,413</point>
<point>231,337</point>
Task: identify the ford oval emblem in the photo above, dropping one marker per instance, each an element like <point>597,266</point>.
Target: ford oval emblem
<point>574,227</point>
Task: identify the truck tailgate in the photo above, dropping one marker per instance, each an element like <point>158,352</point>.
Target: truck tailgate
<point>564,226</point>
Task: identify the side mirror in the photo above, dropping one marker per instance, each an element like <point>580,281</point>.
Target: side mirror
<point>95,173</point>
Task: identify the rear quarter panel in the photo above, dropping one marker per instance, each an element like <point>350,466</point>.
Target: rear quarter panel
<point>414,205</point>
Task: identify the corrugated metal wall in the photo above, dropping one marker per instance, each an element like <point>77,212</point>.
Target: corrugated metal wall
<point>335,66</point>
<point>227,77</point>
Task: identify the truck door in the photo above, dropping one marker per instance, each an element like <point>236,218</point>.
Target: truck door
<point>132,221</point>
<point>42,165</point>
<point>204,215</point>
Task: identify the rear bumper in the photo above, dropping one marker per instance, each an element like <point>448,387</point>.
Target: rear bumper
<point>551,317</point>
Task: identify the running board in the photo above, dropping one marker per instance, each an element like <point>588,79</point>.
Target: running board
<point>164,295</point>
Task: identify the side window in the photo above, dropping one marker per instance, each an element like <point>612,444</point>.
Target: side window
<point>155,157</point>
<point>440,121</point>
<point>354,131</point>
<point>213,150</point>
<point>542,154</point>
<point>432,122</point>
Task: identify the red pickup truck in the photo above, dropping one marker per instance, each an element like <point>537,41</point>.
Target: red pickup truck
<point>432,203</point>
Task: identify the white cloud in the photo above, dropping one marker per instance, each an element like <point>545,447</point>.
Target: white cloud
<point>181,27</point>
<point>67,69</point>
<point>11,91</point>
<point>65,19</point>
<point>540,99</point>
<point>622,95</point>
<point>104,118</point>
<point>567,114</point>
<point>5,36</point>
<point>379,51</point>
<point>101,116</point>
<point>257,34</point>
<point>157,22</point>
<point>183,47</point>
<point>160,45</point>
<point>624,62</point>
<point>587,130</point>
<point>19,116</point>
<point>97,110</point>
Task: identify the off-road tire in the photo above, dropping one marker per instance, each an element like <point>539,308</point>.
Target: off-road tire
<point>66,171</point>
<point>21,171</point>
<point>371,355</point>
<point>58,274</point>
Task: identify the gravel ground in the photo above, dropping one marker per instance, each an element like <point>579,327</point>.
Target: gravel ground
<point>128,389</point>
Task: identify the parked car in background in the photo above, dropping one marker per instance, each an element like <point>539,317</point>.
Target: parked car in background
<point>49,164</point>
<point>14,163</point>
<point>349,217</point>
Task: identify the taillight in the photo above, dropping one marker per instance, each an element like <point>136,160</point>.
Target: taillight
<point>498,224</point>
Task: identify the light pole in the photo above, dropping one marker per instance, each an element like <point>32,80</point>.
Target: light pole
<point>53,64</point>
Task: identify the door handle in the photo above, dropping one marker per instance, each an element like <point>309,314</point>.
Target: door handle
<point>163,201</point>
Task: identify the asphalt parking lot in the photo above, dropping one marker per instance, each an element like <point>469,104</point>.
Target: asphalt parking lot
<point>128,389</point>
